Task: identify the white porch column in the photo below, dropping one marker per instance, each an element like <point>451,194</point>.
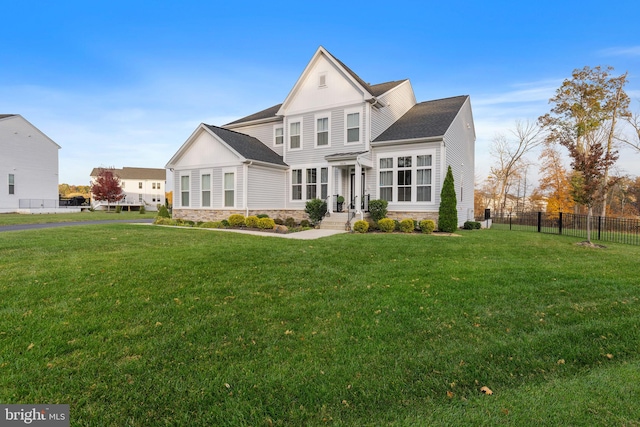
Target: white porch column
<point>330,189</point>
<point>358,188</point>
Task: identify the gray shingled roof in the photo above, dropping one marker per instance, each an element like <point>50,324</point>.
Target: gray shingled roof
<point>379,89</point>
<point>247,146</point>
<point>135,173</point>
<point>264,114</point>
<point>4,116</point>
<point>424,120</point>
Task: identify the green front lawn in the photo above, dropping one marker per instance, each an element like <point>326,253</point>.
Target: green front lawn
<point>155,326</point>
<point>14,219</point>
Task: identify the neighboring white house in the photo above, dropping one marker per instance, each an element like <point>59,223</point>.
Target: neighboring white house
<point>141,186</point>
<point>334,135</point>
<point>28,167</point>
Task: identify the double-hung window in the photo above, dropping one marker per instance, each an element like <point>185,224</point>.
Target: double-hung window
<point>206,190</point>
<point>278,135</point>
<point>140,185</point>
<point>296,184</point>
<point>229,189</point>
<point>353,127</point>
<point>294,135</point>
<point>423,178</point>
<point>386,179</point>
<point>184,191</point>
<point>404,179</point>
<point>324,183</point>
<point>312,180</point>
<point>12,184</point>
<point>322,131</point>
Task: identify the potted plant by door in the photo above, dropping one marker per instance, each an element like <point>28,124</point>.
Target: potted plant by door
<point>340,201</point>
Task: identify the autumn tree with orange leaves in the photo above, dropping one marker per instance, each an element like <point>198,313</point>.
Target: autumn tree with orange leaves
<point>583,120</point>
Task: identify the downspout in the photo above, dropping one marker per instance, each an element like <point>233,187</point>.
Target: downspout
<point>245,189</point>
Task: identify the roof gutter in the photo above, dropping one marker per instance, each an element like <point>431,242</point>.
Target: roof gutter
<point>407,141</point>
<point>375,102</point>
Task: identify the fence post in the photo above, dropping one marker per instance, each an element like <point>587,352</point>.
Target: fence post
<point>539,221</point>
<point>560,223</point>
<point>599,226</point>
<point>509,221</point>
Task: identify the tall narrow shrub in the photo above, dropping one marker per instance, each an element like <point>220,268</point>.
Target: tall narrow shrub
<point>448,213</point>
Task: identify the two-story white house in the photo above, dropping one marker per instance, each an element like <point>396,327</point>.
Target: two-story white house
<point>141,187</point>
<point>28,167</point>
<point>334,135</point>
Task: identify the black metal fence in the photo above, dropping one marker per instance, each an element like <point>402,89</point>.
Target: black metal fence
<point>617,230</point>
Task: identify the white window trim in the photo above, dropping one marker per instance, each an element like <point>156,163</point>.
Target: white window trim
<point>303,181</point>
<point>288,133</point>
<point>235,188</point>
<point>414,175</point>
<point>346,129</point>
<point>210,173</point>
<point>301,184</point>
<point>274,135</point>
<point>315,129</point>
<point>188,175</point>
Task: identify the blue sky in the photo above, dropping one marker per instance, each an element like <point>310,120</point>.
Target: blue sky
<point>124,83</point>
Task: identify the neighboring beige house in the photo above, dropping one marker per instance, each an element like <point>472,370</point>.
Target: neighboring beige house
<point>28,167</point>
<point>142,187</point>
<point>334,136</point>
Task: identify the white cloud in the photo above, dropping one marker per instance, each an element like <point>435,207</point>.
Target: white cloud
<point>621,51</point>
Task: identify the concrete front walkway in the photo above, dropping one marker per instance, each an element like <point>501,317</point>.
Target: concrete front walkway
<point>300,235</point>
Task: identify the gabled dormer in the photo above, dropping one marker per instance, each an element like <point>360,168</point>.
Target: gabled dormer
<point>326,83</point>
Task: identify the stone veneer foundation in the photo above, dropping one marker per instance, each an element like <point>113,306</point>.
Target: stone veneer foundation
<point>204,215</point>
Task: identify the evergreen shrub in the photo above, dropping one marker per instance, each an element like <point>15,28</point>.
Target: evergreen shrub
<point>407,226</point>
<point>427,226</point>
<point>387,225</point>
<point>236,220</point>
<point>361,226</point>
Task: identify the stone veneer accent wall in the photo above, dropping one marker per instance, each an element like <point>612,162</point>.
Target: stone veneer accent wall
<point>204,215</point>
<point>418,216</point>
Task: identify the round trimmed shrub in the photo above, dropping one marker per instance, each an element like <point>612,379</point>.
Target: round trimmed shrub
<point>361,226</point>
<point>305,223</point>
<point>290,222</point>
<point>427,226</point>
<point>163,212</point>
<point>406,226</point>
<point>236,220</point>
<point>387,225</point>
<point>251,221</point>
<point>266,223</point>
<point>262,216</point>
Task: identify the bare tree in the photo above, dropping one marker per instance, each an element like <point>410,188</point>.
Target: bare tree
<point>510,163</point>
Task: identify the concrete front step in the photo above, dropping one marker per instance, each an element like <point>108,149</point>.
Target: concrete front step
<point>337,221</point>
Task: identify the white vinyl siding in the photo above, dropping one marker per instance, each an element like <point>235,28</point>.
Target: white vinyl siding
<point>265,188</point>
<point>398,101</point>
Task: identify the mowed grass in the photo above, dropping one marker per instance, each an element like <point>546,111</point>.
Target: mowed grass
<point>149,326</point>
<point>15,219</point>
